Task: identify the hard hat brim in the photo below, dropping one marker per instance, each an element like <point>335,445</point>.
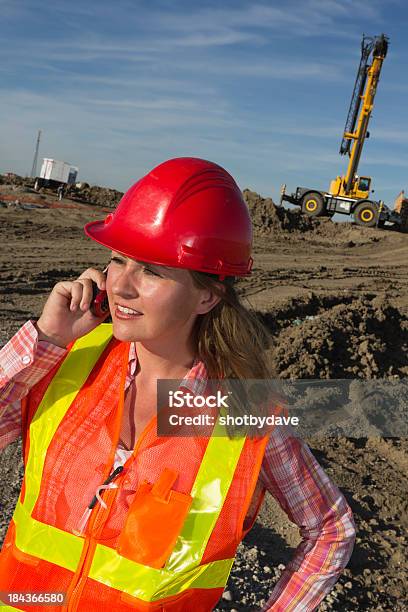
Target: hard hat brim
<point>106,235</point>
<point>98,231</point>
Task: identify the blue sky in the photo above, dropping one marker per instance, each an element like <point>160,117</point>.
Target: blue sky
<point>262,88</point>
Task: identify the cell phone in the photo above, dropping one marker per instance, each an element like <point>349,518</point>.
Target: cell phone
<point>100,304</point>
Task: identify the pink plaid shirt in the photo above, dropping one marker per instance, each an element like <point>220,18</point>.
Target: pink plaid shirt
<point>289,472</point>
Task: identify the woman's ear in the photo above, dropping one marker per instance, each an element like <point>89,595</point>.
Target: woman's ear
<point>209,299</point>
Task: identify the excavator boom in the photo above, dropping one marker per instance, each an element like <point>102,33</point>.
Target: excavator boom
<point>361,78</point>
<point>362,102</point>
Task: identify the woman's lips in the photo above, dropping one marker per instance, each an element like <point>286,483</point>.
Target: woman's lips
<point>122,312</point>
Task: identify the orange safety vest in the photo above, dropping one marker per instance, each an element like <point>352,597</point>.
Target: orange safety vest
<point>168,535</point>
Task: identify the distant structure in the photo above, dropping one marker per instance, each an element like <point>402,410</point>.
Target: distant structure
<point>37,146</point>
<point>55,173</point>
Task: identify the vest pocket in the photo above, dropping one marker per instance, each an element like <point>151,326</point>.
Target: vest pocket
<point>154,521</point>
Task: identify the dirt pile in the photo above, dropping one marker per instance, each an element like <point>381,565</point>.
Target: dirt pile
<point>97,196</point>
<point>346,364</point>
<point>267,217</point>
<point>80,192</point>
<point>360,338</point>
<point>9,178</point>
<point>270,220</point>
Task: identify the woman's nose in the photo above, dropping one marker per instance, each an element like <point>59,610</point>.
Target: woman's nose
<point>125,284</point>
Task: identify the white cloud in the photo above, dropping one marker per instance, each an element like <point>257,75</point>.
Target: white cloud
<point>396,136</point>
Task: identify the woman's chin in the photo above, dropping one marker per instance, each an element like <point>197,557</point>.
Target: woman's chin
<point>125,333</point>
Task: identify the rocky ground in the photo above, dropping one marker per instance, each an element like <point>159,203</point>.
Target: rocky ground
<point>335,297</point>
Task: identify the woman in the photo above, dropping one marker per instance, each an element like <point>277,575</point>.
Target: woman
<point>111,514</point>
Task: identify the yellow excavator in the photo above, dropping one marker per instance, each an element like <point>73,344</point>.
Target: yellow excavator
<point>350,194</point>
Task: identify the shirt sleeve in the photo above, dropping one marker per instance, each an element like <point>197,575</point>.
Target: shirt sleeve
<point>23,362</point>
<point>292,475</point>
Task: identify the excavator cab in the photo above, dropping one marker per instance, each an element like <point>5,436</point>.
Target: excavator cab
<point>362,187</point>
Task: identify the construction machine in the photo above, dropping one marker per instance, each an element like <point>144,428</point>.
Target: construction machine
<point>350,194</point>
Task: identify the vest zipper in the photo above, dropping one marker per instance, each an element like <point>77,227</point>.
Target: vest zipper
<point>90,543</point>
<point>73,598</point>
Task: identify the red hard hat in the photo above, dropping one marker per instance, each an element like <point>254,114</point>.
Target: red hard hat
<point>186,213</point>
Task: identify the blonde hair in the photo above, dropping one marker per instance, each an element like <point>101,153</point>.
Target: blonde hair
<point>232,341</point>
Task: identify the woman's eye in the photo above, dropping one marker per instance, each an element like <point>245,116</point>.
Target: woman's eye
<point>149,271</point>
<point>145,269</point>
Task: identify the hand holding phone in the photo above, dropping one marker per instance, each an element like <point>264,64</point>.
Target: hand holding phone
<point>74,308</point>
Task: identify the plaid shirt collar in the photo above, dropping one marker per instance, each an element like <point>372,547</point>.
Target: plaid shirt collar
<point>195,380</point>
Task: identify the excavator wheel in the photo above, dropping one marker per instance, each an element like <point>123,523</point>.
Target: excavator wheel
<point>365,214</point>
<point>313,205</point>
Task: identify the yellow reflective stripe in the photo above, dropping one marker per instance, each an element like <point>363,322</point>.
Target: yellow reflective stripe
<point>33,537</point>
<point>60,394</point>
<point>150,584</point>
<point>108,567</point>
<point>209,491</point>
<point>4,607</point>
<point>46,542</point>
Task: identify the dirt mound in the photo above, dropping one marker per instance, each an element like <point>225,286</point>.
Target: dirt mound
<point>271,220</point>
<point>361,339</point>
<point>9,178</point>
<point>98,196</point>
<point>267,217</point>
<point>94,195</point>
<point>345,235</point>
